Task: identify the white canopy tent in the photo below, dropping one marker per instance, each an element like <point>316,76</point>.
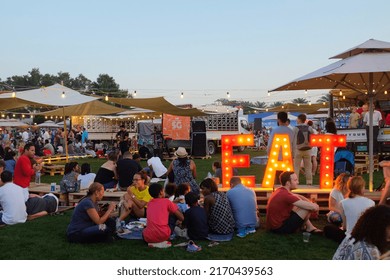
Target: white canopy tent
<point>55,95</point>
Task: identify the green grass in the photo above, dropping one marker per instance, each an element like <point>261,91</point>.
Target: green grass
<point>44,238</point>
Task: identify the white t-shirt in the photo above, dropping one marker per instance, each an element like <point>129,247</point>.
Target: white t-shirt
<point>12,201</point>
<point>353,208</point>
<point>158,168</point>
<point>86,180</point>
<point>376,117</point>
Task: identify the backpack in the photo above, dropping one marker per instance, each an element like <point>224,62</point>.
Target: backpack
<point>303,138</point>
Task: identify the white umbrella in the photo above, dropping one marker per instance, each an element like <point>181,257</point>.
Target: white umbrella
<point>275,117</point>
<point>364,69</point>
<point>12,123</point>
<point>48,124</point>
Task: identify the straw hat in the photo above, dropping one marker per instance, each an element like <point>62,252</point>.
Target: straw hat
<point>181,152</point>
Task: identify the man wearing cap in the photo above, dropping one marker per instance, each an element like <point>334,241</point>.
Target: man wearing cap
<point>123,136</point>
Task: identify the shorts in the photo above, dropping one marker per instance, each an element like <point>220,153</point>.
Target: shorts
<point>290,225</point>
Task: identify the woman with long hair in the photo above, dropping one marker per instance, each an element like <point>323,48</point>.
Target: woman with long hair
<point>370,238</point>
<point>88,224</point>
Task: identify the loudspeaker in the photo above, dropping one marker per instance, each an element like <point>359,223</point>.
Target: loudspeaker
<point>199,145</point>
<point>258,124</point>
<point>198,126</point>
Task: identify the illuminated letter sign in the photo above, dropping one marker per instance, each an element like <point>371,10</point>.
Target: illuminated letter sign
<point>280,144</point>
<point>327,142</point>
<point>229,161</point>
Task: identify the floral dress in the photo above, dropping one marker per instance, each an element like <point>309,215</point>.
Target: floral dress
<point>183,174</point>
<point>350,249</point>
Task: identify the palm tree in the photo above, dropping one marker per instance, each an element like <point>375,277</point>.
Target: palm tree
<point>300,101</point>
<point>259,104</point>
<point>276,104</point>
<point>324,98</point>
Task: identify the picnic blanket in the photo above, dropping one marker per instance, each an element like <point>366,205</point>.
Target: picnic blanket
<point>133,230</point>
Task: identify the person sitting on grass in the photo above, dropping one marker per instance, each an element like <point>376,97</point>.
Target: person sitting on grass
<point>338,193</point>
<point>195,218</point>
<point>369,239</point>
<point>158,231</point>
<point>170,190</point>
<point>350,208</point>
<point>136,199</point>
<point>11,200</point>
<point>87,224</point>
<point>288,212</point>
<point>219,212</point>
<point>39,206</point>
<point>86,177</point>
<point>181,191</point>
<point>244,205</point>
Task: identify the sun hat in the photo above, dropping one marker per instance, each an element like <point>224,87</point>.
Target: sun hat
<point>181,152</point>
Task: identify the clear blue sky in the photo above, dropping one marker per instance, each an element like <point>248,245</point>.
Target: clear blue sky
<point>201,48</point>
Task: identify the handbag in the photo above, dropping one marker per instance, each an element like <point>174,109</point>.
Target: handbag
<point>68,185</point>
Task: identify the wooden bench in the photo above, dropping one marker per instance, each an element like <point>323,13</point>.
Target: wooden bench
<point>62,158</point>
<point>108,196</point>
<point>53,169</point>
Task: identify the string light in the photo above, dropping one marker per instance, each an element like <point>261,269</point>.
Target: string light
<point>385,91</point>
<point>13,94</point>
<point>182,95</point>
<point>135,93</point>
<point>228,95</point>
<point>63,94</point>
<point>341,92</point>
<point>106,98</point>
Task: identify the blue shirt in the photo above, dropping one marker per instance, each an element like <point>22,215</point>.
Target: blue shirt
<point>281,129</point>
<point>80,218</point>
<point>244,206</point>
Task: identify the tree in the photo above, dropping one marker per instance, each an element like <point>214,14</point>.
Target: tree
<point>324,98</point>
<point>300,101</point>
<point>105,83</point>
<point>259,104</point>
<point>81,82</point>
<point>276,104</point>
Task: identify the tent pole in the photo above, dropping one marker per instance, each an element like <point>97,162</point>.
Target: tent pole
<point>371,136</point>
<point>66,136</point>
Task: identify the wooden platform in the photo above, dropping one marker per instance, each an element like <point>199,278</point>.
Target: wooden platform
<point>61,158</point>
<point>53,169</point>
<point>314,193</point>
<point>108,196</point>
<point>362,163</point>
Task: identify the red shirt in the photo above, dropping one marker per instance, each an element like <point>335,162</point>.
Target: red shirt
<point>279,207</point>
<point>23,171</point>
<point>157,228</point>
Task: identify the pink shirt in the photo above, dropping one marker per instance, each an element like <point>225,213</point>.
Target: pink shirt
<point>157,228</point>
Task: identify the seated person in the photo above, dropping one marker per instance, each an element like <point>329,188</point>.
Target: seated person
<point>11,200</point>
<point>170,190</point>
<point>136,199</point>
<point>195,218</point>
<point>125,169</point>
<point>88,224</point>
<point>156,167</point>
<point>107,175</point>
<point>288,212</point>
<point>69,180</point>
<point>181,191</point>
<point>86,178</point>
<point>49,147</point>
<point>38,206</point>
<point>244,205</point>
<point>338,193</point>
<point>158,211</point>
<point>10,161</point>
<point>385,197</point>
<point>218,210</point>
<point>217,169</point>
<point>71,149</point>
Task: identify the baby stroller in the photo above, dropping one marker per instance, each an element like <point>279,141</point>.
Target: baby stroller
<point>344,162</point>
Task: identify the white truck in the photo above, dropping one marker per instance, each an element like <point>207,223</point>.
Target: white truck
<point>223,120</point>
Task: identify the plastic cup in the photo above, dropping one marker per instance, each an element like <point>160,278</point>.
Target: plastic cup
<point>53,187</point>
<point>306,236</point>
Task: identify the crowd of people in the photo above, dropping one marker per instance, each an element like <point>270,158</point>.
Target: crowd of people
<point>183,208</point>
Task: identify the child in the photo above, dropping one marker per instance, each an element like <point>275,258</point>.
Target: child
<point>158,231</point>
<point>181,191</point>
<point>195,218</point>
<point>170,190</point>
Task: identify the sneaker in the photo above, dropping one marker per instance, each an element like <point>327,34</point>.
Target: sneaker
<point>172,236</point>
<point>242,233</point>
<point>164,244</point>
<point>192,247</point>
<point>250,230</point>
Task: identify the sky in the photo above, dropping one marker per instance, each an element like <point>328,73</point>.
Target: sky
<point>201,48</point>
